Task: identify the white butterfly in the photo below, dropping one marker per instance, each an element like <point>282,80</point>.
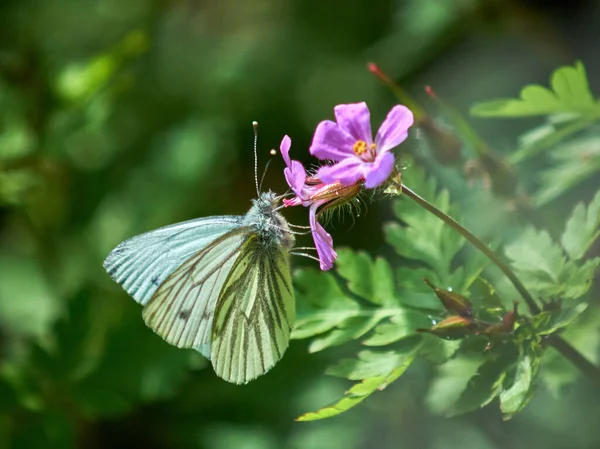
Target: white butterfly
<point>220,285</point>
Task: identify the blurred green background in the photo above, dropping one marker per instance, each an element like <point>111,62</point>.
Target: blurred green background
<point>117,117</point>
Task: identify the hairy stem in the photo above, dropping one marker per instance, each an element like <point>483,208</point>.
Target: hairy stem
<point>558,343</point>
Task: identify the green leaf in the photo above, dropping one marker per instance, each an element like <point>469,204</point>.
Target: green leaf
<point>451,381</point>
<point>371,280</point>
<point>376,370</point>
<point>401,325</point>
<point>582,229</point>
<point>544,269</point>
<point>514,398</point>
<point>577,279</point>
<point>437,350</point>
<point>536,257</point>
<point>487,384</point>
<point>584,335</point>
<point>546,136</point>
<point>322,305</point>
<point>551,321</point>
<point>572,163</point>
<point>326,313</point>
<point>569,92</point>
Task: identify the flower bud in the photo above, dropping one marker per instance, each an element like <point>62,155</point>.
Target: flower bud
<point>453,302</point>
<point>451,328</point>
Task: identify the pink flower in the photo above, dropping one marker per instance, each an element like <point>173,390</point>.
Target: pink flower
<point>311,192</point>
<point>349,142</point>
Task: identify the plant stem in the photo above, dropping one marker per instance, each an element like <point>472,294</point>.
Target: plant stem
<point>531,304</point>
<point>558,343</point>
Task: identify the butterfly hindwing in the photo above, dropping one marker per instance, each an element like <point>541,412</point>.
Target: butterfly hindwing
<point>254,313</point>
<point>142,263</point>
<point>181,309</point>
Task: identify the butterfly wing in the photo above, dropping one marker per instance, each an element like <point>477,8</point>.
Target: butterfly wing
<point>254,314</point>
<point>142,263</point>
<point>181,310</point>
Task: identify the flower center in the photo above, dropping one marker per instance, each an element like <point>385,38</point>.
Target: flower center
<point>366,152</point>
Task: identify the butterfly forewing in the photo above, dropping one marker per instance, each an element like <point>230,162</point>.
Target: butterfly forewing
<point>181,310</point>
<point>254,314</point>
<point>142,263</point>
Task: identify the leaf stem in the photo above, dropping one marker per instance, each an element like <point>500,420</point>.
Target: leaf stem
<point>557,342</point>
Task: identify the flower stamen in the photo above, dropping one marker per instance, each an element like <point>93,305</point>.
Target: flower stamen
<point>360,148</point>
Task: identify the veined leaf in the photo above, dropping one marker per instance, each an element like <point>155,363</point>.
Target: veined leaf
<point>371,280</point>
<point>569,92</point>
<point>543,267</point>
<point>583,228</point>
<point>322,305</point>
<point>553,320</point>
<point>452,380</point>
<point>376,370</point>
<point>514,398</point>
<point>534,252</point>
<point>326,313</point>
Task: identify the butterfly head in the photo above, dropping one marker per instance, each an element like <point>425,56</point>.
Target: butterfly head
<point>271,227</point>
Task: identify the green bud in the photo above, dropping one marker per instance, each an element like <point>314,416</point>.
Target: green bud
<point>452,328</point>
<point>453,302</point>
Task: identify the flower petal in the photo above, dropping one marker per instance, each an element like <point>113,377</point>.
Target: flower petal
<point>331,142</point>
<point>323,242</point>
<point>286,143</point>
<point>295,175</point>
<point>394,129</point>
<point>380,170</point>
<point>348,172</point>
<point>355,119</point>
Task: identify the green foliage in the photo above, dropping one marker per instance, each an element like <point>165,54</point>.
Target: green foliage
<point>552,271</point>
<point>571,163</point>
<point>127,116</point>
<point>582,229</point>
<point>375,370</point>
<point>569,93</point>
<point>367,299</point>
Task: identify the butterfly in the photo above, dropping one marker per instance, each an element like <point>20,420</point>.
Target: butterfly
<point>220,285</point>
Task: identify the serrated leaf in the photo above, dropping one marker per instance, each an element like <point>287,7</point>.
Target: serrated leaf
<point>569,92</point>
<point>437,350</point>
<point>582,228</point>
<point>572,163</point>
<point>384,369</point>
<point>542,266</point>
<point>577,279</point>
<point>322,305</point>
<point>534,253</point>
<point>487,384</point>
<point>551,321</point>
<point>401,325</point>
<point>584,336</point>
<point>451,380</point>
<point>371,280</point>
<point>514,398</point>
<point>350,329</point>
<point>331,317</point>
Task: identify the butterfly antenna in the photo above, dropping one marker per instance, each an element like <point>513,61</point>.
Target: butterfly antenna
<point>262,178</point>
<point>255,126</point>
